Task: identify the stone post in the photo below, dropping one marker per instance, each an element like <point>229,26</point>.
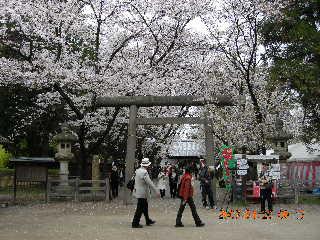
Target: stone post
<point>131,149</point>
<point>64,172</point>
<point>210,153</point>
<point>95,170</point>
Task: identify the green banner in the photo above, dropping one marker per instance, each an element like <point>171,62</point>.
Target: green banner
<point>228,163</point>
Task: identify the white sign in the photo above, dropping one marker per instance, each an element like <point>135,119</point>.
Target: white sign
<point>242,172</point>
<point>242,164</point>
<point>275,171</point>
<point>275,168</point>
<point>275,175</point>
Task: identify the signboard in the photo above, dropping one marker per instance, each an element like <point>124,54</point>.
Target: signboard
<point>241,172</point>
<point>242,166</point>
<point>275,167</point>
<point>275,171</point>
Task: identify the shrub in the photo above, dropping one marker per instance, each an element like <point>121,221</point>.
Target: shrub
<point>4,157</point>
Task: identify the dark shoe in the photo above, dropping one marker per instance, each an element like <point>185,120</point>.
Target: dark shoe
<point>150,223</point>
<point>179,225</point>
<point>137,226</point>
<point>200,224</point>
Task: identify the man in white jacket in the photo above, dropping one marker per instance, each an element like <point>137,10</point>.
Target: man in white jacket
<point>141,192</point>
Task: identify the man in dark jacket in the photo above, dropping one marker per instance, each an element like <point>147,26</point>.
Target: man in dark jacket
<point>186,193</point>
<point>205,178</point>
<point>265,188</point>
<point>173,182</point>
<point>114,181</point>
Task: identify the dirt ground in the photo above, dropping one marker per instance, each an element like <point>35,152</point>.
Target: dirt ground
<point>100,220</point>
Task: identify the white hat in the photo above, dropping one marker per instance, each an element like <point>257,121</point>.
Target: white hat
<point>145,162</point>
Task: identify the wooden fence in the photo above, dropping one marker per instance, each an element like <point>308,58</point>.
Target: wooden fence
<point>288,190</point>
<point>303,188</point>
<point>78,190</point>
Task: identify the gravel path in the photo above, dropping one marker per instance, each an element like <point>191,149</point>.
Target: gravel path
<point>112,221</point>
<point>100,220</point>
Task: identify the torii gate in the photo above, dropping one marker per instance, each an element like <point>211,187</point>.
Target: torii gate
<point>134,102</point>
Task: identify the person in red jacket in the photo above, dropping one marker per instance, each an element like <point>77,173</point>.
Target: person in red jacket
<point>186,193</point>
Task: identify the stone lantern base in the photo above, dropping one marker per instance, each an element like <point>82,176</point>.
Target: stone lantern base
<point>64,187</point>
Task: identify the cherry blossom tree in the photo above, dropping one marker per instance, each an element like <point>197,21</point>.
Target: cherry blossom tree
<point>236,58</point>
<point>73,51</point>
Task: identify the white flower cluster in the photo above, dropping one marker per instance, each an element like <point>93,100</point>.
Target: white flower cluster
<point>78,49</point>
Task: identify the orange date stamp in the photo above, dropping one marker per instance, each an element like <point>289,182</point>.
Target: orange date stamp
<point>247,213</point>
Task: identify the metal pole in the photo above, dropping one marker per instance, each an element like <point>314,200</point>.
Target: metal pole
<point>210,153</point>
<point>131,149</point>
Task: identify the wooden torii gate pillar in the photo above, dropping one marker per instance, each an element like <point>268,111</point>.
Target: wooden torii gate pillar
<point>134,102</point>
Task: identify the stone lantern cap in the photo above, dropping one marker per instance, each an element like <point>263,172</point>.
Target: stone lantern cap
<point>66,135</point>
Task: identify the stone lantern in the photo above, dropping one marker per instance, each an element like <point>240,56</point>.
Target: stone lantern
<point>279,141</point>
<point>64,154</point>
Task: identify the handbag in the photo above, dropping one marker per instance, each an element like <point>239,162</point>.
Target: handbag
<point>130,184</point>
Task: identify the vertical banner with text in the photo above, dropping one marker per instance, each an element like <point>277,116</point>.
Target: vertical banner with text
<point>228,162</point>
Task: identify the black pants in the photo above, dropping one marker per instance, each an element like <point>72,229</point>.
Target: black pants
<point>173,190</point>
<point>207,191</point>
<point>192,206</point>
<point>142,207</point>
<point>114,190</point>
<point>162,193</point>
<point>266,194</point>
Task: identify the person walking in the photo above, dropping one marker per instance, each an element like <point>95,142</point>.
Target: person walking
<point>186,194</point>
<point>205,178</point>
<point>162,184</point>
<point>141,191</point>
<point>173,182</point>
<point>114,181</point>
<point>121,176</point>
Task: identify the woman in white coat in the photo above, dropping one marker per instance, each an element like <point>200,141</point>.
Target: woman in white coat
<point>162,184</point>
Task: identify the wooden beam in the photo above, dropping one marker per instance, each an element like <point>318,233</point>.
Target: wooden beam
<point>169,120</point>
<point>149,101</point>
